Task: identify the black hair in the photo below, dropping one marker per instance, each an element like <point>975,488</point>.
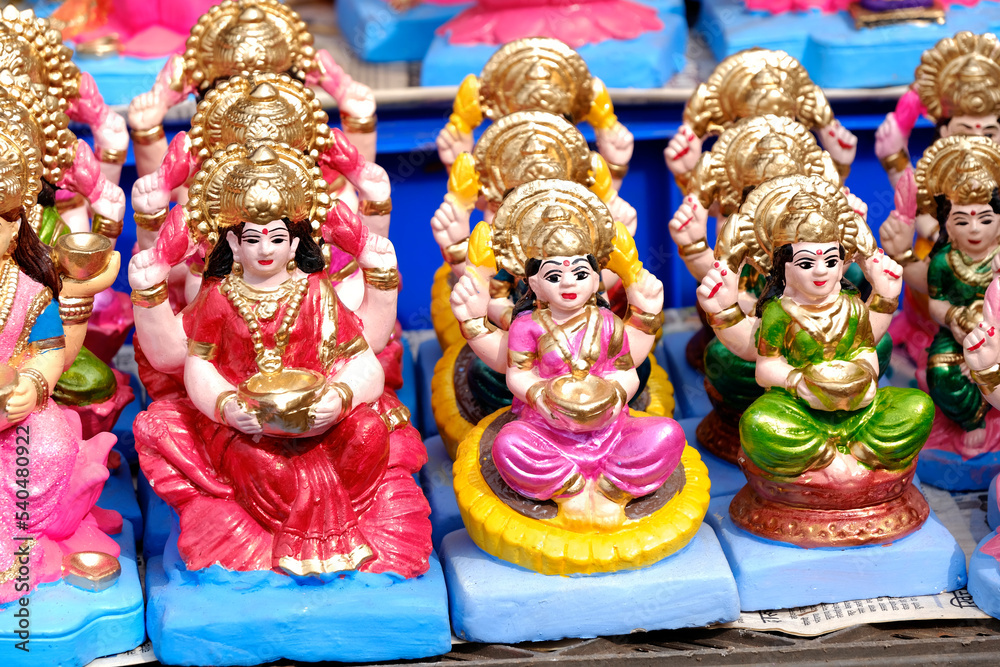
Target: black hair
<point>944,210</point>
<point>531,267</point>
<point>775,285</point>
<point>32,256</point>
<point>308,256</point>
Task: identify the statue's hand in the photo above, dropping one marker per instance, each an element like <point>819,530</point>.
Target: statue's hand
<point>646,293</point>
<point>95,285</point>
<point>690,222</point>
<point>373,183</point>
<point>896,236</point>
<point>719,289</point>
<point>884,273</point>
<point>451,142</point>
<point>378,253</point>
<point>146,270</point>
<point>889,138</point>
<point>358,101</point>
<point>328,410</point>
<point>857,204</point>
<point>22,401</point>
<point>236,416</point>
<point>624,213</point>
<point>450,224</point>
<point>470,298</point>
<point>683,151</point>
<point>615,144</point>
<point>982,347</point>
<point>111,202</point>
<point>147,110</point>
<point>112,133</point>
<point>839,142</point>
<point>149,194</point>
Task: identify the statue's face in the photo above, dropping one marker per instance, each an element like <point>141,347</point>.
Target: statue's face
<point>815,271</point>
<point>263,250</point>
<point>565,282</point>
<point>973,228</point>
<point>978,126</point>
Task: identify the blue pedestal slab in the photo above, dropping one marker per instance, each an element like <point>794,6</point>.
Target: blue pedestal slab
<point>773,575</point>
<point>984,579</point>
<point>647,61</point>
<point>159,519</point>
<point>495,601</point>
<point>218,617</point>
<point>69,626</point>
<point>427,356</point>
<point>689,385</point>
<point>947,470</point>
<point>437,481</point>
<point>379,33</point>
<point>123,427</point>
<point>408,393</point>
<point>726,478</point>
<point>119,495</point>
<point>832,50</point>
<point>992,511</point>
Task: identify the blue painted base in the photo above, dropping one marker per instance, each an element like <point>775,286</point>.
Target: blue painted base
<point>437,481</point>
<point>984,579</point>
<point>949,471</point>
<point>773,575</point>
<point>726,478</point>
<point>992,510</point>
<point>427,356</point>
<point>218,617</point>
<point>119,495</point>
<point>70,627</point>
<point>123,427</point>
<point>832,50</point>
<point>159,519</point>
<point>408,393</point>
<point>689,385</point>
<point>380,34</point>
<point>495,601</point>
<point>645,62</point>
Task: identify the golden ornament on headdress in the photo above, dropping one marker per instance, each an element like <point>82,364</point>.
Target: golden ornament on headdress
<point>753,83</point>
<point>258,182</point>
<point>262,105</point>
<point>755,150</point>
<point>20,165</point>
<point>530,146</point>
<point>960,76</point>
<point>40,117</point>
<point>966,170</point>
<point>551,218</point>
<point>31,47</point>
<point>792,209</point>
<point>247,35</point>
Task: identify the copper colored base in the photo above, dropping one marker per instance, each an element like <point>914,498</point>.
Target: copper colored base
<point>720,436</point>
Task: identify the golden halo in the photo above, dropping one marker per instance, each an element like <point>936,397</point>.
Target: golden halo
<point>31,47</point>
<point>20,165</point>
<point>960,76</point>
<point>41,118</point>
<point>966,169</point>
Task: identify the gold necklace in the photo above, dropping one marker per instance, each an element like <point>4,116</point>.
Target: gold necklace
<point>8,289</point>
<point>265,303</point>
<point>268,360</point>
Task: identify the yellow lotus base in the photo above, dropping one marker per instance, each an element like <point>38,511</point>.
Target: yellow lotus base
<point>443,320</point>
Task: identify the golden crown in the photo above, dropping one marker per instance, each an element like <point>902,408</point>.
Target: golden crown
<point>31,47</point>
<point>960,76</point>
<point>40,118</point>
<point>966,170</point>
<point>20,165</point>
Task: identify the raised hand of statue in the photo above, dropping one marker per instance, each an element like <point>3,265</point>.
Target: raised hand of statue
<point>982,347</point>
<point>470,298</point>
<point>690,222</point>
<point>615,144</point>
<point>895,235</point>
<point>884,274</point>
<point>889,138</point>
<point>859,206</point>
<point>95,285</point>
<point>147,110</point>
<point>683,151</point>
<point>358,101</point>
<point>450,223</point>
<point>624,213</point>
<point>110,202</point>
<point>236,416</point>
<point>646,293</point>
<point>149,195</point>
<point>378,253</point>
<point>450,142</point>
<point>147,269</point>
<point>719,289</point>
<point>112,133</point>
<point>839,142</point>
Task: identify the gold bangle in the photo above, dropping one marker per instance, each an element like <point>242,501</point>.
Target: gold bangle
<point>880,304</point>
<point>475,327</point>
<point>456,253</point>
<point>346,395</point>
<point>647,323</point>
<point>220,405</point>
<point>111,155</point>
<point>345,272</point>
<point>962,316</point>
<point>726,317</point>
<point>988,379</point>
<point>150,297</point>
<point>382,279</point>
<point>618,171</point>
<point>363,125</point>
<point>366,207</point>
<point>75,309</point>
<point>908,257</point>
<point>897,162</point>
<point>151,222</point>
<point>792,381</point>
<point>41,385</point>
<point>534,392</point>
<point>107,227</point>
<point>147,136</point>
<point>699,246</point>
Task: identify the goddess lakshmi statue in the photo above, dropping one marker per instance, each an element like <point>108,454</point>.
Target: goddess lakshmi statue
<point>957,183</point>
<point>829,456</point>
<point>254,36</point>
<point>285,451</point>
<point>567,481</point>
<point>44,320</point>
<point>537,74</point>
<point>753,83</point>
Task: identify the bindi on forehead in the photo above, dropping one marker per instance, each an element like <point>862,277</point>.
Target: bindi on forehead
<point>565,262</point>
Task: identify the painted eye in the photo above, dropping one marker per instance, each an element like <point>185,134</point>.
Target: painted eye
<point>805,265</point>
<point>831,262</point>
<point>552,278</point>
<point>582,275</point>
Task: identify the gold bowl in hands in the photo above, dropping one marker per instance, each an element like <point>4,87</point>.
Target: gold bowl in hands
<point>83,255</point>
<point>283,401</point>
<point>839,385</point>
<point>584,404</point>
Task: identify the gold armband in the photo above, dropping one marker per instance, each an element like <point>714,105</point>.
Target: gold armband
<point>366,207</point>
<point>880,304</point>
<point>456,253</point>
<point>106,227</point>
<point>647,323</point>
<point>908,257</point>
<point>202,350</point>
<point>111,155</point>
<point>220,405</point>
<point>345,272</point>
<point>75,309</point>
<point>475,327</point>
<point>699,246</point>
<point>147,137</point>
<point>382,279</point>
<point>41,385</point>
<point>961,316</point>
<point>897,162</point>
<point>988,379</point>
<point>726,317</point>
<point>151,222</point>
<point>363,125</point>
<point>792,381</point>
<point>346,395</point>
<point>617,170</point>
<point>153,296</point>
<point>534,393</point>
